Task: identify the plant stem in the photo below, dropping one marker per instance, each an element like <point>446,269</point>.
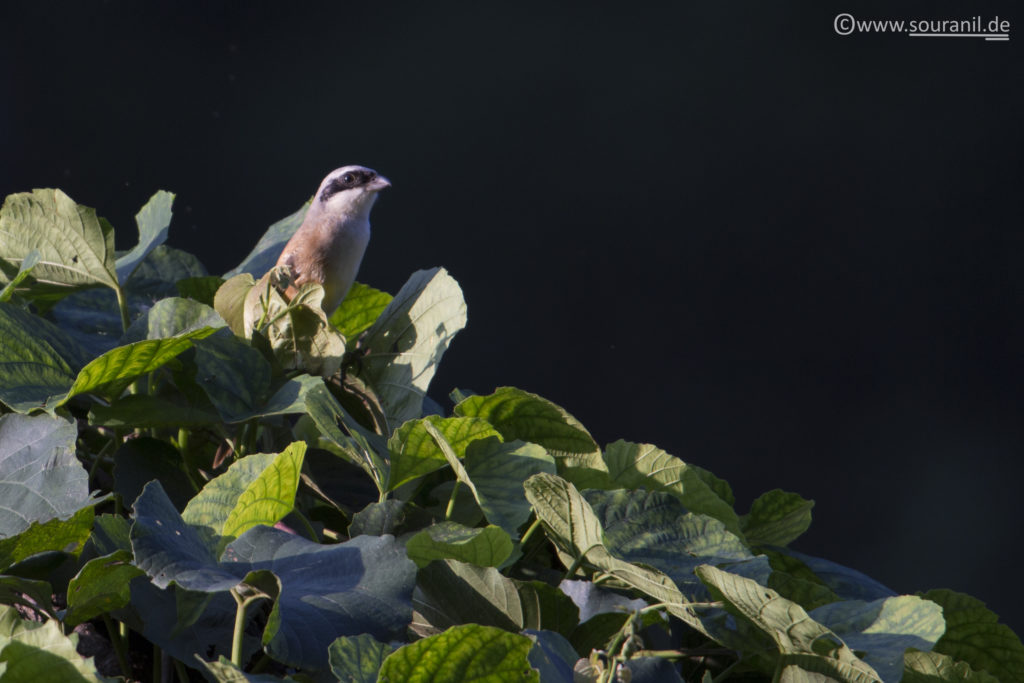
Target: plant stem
<point>307,527</point>
<point>122,305</point>
<point>451,502</point>
<point>157,663</point>
<point>179,669</point>
<point>115,639</point>
<point>572,570</point>
<point>239,634</point>
<point>529,532</point>
<point>725,672</point>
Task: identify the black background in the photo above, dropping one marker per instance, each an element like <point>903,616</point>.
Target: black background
<point>791,257</point>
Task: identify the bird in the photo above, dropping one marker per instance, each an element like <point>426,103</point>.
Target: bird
<point>329,245</point>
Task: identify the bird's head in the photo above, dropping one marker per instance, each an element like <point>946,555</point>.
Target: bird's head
<point>350,190</point>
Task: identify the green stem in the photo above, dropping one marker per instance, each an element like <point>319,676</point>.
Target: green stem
<point>239,634</point>
<point>185,446</point>
<point>529,532</point>
<point>115,639</point>
<point>122,305</point>
<point>307,527</point>
<point>572,570</point>
<point>157,663</point>
<point>728,670</point>
<point>451,502</point>
<point>179,669</point>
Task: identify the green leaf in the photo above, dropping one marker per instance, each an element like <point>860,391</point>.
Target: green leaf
<point>101,586</point>
<point>223,671</point>
<point>202,288</point>
<point>257,489</point>
<point>486,547</point>
<point>27,264</point>
<point>359,310</point>
<point>141,460</point>
<point>974,635</point>
<point>76,248</point>
<point>632,465</point>
<point>482,654</point>
<point>110,374</point>
<point>229,301</point>
<point>518,414</point>
<point>409,338</point>
<point>39,652</point>
<point>653,528</point>
<point>357,659</point>
<point>498,471</point>
<point>54,535</point>
<point>414,453</point>
<point>451,592</point>
<point>151,412</point>
<point>234,375</point>
<point>360,586</point>
<point>883,629</point>
<point>33,372</point>
<point>30,594</point>
<point>264,255</point>
<point>153,220</point>
<point>40,477</point>
<point>802,641</point>
<point>173,317</point>
<point>574,528</point>
<point>297,330</point>
<point>356,443</point>
<point>933,667</point>
<point>777,518</point>
<point>793,580</point>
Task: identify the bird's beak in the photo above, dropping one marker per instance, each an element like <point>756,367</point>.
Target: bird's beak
<point>379,183</point>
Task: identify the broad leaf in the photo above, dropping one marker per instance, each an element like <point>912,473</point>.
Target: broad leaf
<point>76,248</point>
<point>33,372</point>
<point>800,640</point>
<point>146,410</point>
<point>974,635</point>
<point>40,477</point>
<point>357,659</point>
<point>264,255</point>
<point>27,264</point>
<point>776,518</point>
<point>101,586</point>
<point>173,317</point>
<point>153,220</point>
<point>933,667</point>
<point>518,414</point>
<point>361,586</point>
<point>39,652</point>
<point>498,471</point>
<point>257,489</point>
<point>653,528</point>
<point>409,338</point>
<point>883,629</point>
<point>234,375</point>
<point>482,654</point>
<point>223,671</point>
<point>54,535</point>
<point>359,310</point>
<point>483,547</point>
<point>414,452</point>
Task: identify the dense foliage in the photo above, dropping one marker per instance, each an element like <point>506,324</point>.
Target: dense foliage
<point>201,479</point>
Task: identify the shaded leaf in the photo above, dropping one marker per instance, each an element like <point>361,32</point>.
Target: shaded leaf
<point>357,659</point>
<point>54,535</point>
<point>27,264</point>
<point>153,219</point>
<point>149,411</point>
<point>486,547</point>
<point>139,461</point>
<point>33,372</point>
<point>933,667</point>
<point>777,518</point>
<point>202,288</point>
<point>414,452</point>
<point>409,338</point>
<point>173,317</point>
<point>498,471</point>
<point>974,635</point>
<point>264,255</point>
<point>234,375</point>
<point>101,586</point>
<point>518,414</point>
<point>40,477</point>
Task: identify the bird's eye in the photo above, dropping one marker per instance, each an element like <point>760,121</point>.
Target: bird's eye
<point>348,178</point>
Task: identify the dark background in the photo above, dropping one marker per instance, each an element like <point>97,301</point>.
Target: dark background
<point>791,257</point>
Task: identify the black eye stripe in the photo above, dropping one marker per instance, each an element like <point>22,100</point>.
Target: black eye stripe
<point>347,181</point>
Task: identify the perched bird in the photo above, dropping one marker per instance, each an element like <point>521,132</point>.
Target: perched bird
<point>329,245</point>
